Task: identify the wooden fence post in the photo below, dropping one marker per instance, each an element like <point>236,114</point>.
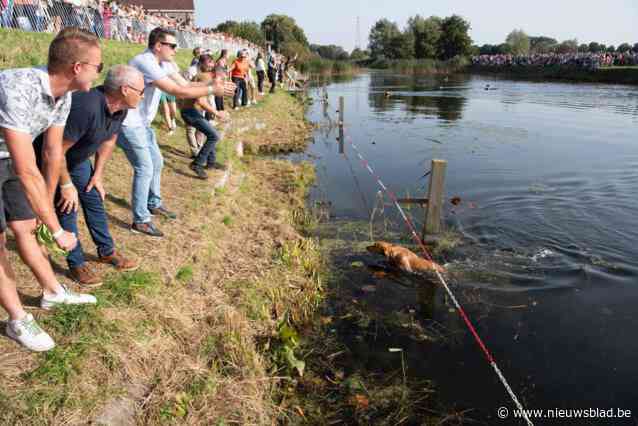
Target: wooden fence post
<point>435,198</point>
<point>341,141</point>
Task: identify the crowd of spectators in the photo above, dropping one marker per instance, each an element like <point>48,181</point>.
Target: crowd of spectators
<point>112,20</point>
<point>587,60</point>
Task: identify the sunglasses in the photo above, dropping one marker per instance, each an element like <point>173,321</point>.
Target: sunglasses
<point>139,92</point>
<point>99,67</point>
<point>171,45</point>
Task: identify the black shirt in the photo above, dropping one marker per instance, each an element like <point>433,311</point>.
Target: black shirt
<point>89,125</point>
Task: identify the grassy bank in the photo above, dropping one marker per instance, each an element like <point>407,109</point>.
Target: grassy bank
<point>204,332</point>
<point>612,75</point>
<point>421,66</point>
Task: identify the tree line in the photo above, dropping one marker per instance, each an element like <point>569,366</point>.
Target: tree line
<point>518,42</point>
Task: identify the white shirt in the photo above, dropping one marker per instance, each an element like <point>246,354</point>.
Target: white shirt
<point>27,105</point>
<point>150,67</point>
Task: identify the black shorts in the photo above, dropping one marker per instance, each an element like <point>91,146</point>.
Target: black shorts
<point>13,200</point>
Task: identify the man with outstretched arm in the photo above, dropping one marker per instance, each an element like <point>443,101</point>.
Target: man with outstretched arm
<point>36,101</point>
<point>91,130</point>
<point>137,138</point>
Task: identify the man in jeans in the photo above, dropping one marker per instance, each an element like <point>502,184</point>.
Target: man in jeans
<point>91,129</point>
<point>192,115</point>
<point>138,139</point>
<point>35,101</point>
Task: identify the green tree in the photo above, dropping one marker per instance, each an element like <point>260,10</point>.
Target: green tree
<point>503,49</point>
<point>568,46</point>
<point>250,31</point>
<point>519,42</point>
<point>280,29</point>
<point>359,55</point>
<point>611,48</point>
<point>542,44</point>
<point>583,47</point>
<point>635,48</point>
<point>293,48</point>
<point>381,36</point>
<point>624,47</point>
<point>454,39</point>
<point>226,27</point>
<point>596,47</point>
<point>335,53</point>
<point>426,33</point>
<point>401,46</point>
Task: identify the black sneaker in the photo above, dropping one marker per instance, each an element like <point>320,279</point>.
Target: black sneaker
<point>161,211</point>
<point>216,166</point>
<point>146,228</point>
<point>199,170</point>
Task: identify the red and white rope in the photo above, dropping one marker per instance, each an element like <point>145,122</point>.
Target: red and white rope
<point>458,306</point>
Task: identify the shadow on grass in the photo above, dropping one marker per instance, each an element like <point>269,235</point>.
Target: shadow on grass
<point>118,201</point>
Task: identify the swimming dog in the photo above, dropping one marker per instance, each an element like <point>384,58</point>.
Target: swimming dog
<point>404,259</point>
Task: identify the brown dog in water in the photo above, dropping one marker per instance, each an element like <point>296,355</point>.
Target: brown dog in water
<point>404,259</point>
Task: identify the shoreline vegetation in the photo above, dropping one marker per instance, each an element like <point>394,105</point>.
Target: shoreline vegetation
<point>421,66</point>
<point>611,75</point>
<point>327,68</point>
<point>461,65</point>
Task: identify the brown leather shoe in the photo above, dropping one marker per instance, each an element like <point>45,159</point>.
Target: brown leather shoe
<point>85,277</point>
<point>120,262</point>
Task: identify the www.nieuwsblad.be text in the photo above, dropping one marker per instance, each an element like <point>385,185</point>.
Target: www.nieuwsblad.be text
<point>565,413</point>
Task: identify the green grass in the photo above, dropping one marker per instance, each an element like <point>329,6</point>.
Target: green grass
<point>121,289</point>
<point>185,274</point>
<point>24,49</point>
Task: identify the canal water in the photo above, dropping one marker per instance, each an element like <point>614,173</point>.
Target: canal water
<point>547,175</point>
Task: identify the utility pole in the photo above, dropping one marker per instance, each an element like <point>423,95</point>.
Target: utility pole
<point>358,44</point>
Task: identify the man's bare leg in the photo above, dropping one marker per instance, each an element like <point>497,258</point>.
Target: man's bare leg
<point>9,299</point>
<point>33,256</point>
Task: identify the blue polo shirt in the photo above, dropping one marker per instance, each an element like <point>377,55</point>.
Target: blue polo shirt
<point>89,125</point>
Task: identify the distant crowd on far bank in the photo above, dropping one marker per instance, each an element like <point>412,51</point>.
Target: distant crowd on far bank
<point>586,60</point>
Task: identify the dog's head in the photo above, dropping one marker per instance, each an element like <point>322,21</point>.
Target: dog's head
<point>379,247</point>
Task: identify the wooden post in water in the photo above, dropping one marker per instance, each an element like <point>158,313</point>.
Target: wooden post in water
<point>435,198</point>
<point>341,141</point>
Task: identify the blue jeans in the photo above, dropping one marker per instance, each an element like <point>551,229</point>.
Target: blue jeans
<point>194,118</point>
<point>141,149</point>
<point>241,88</point>
<point>94,216</point>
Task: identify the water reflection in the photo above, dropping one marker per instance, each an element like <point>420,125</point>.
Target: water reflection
<point>436,97</point>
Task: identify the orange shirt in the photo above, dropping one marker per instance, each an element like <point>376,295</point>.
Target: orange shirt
<point>240,68</point>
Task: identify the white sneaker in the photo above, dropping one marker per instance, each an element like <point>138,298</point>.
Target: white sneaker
<point>28,333</point>
<point>66,297</point>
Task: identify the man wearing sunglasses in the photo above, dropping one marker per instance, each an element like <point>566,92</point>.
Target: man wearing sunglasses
<point>91,130</point>
<point>36,101</point>
<point>138,139</point>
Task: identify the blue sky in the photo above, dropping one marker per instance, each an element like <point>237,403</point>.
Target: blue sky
<point>334,22</point>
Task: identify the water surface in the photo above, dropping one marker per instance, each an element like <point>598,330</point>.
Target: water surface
<point>548,177</point>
